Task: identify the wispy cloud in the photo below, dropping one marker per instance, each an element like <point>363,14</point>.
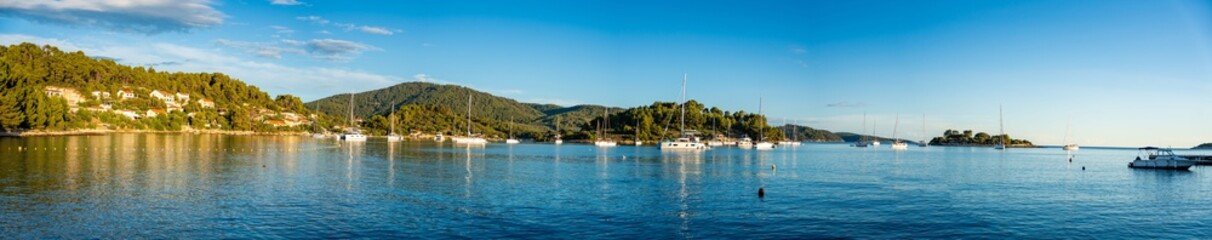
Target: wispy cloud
<point>336,50</point>
<point>282,30</point>
<point>376,30</point>
<point>285,2</point>
<point>846,104</point>
<point>347,26</point>
<point>798,50</point>
<point>141,16</point>
<point>261,49</point>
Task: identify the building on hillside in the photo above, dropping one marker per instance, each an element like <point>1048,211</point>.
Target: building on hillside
<point>128,113</point>
<point>101,95</point>
<point>73,98</point>
<point>54,92</point>
<point>206,103</point>
<point>157,94</point>
<point>182,97</point>
<point>155,112</point>
<point>126,94</point>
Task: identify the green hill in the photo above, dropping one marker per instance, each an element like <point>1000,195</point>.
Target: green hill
<point>1203,146</point>
<point>380,102</point>
<point>805,133</point>
<point>47,89</point>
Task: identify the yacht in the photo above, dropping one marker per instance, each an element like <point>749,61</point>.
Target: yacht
<point>558,141</point>
<point>352,134</point>
<point>762,144</point>
<point>391,130</point>
<point>1153,157</point>
<point>745,143</point>
<point>602,140</point>
<point>469,139</point>
<point>439,137</point>
<point>863,141</point>
<point>1001,142</point>
<point>511,140</point>
<point>791,142</point>
<point>1069,147</point>
<point>685,140</point>
<point>897,144</point>
<point>923,143</point>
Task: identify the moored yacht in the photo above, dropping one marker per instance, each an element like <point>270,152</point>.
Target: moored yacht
<point>352,134</point>
<point>898,144</point>
<point>745,143</point>
<point>469,139</point>
<point>686,140</point>
<point>1153,157</point>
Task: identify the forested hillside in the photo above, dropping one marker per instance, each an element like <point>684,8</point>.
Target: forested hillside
<point>45,88</point>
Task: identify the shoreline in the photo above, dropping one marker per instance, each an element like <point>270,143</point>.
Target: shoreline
<point>85,132</point>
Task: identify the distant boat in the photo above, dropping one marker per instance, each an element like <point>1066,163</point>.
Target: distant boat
<point>745,143</point>
<point>1001,139</point>
<point>897,144</point>
<point>558,141</point>
<point>1069,147</point>
<point>792,142</point>
<point>391,132</point>
<point>1153,157</point>
<point>352,134</point>
<point>762,144</point>
<point>923,143</point>
<point>638,142</point>
<point>875,142</point>
<point>469,139</point>
<point>685,140</point>
<point>715,139</point>
<point>511,140</point>
<point>439,137</point>
<point>602,140</point>
<point>862,141</point>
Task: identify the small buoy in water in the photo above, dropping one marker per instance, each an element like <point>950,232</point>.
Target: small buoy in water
<point>1083,168</point>
<point>262,165</point>
<point>761,192</point>
<point>774,166</point>
<point>1070,159</point>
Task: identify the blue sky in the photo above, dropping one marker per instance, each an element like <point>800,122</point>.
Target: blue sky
<point>1124,73</point>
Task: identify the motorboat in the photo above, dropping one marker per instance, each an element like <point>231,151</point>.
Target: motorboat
<point>1153,157</point>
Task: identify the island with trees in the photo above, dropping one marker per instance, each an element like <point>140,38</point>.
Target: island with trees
<point>967,138</point>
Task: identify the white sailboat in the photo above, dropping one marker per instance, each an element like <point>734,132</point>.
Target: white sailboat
<point>862,141</point>
<point>794,141</point>
<point>875,141</point>
<point>558,141</point>
<point>897,144</point>
<point>511,140</point>
<point>638,142</point>
<point>602,140</point>
<point>1001,139</point>
<point>1069,147</point>
<point>469,139</point>
<point>353,134</point>
<point>715,139</point>
<point>685,140</point>
<point>391,130</point>
<point>762,144</point>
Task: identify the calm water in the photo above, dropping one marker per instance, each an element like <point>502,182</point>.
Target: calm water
<point>186,186</point>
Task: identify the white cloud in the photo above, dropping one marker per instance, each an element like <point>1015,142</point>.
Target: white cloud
<point>282,30</point>
<point>376,30</point>
<point>285,2</point>
<point>336,50</point>
<point>261,49</point>
<point>347,26</point>
<point>797,50</point>
<point>305,82</point>
<point>143,16</point>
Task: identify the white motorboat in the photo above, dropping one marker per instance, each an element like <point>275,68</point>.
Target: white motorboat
<point>744,143</point>
<point>686,140</point>
<point>1153,157</point>
<point>763,146</point>
<point>512,141</point>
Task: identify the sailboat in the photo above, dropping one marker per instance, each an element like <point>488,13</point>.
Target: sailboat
<point>794,142</point>
<point>638,142</point>
<point>897,144</point>
<point>875,141</point>
<point>685,140</point>
<point>863,142</point>
<point>762,144</point>
<point>715,140</point>
<point>469,139</point>
<point>602,140</point>
<point>923,143</point>
<point>391,132</point>
<point>511,140</point>
<point>353,134</point>
<point>558,141</point>
<point>1001,125</point>
<point>1069,147</point>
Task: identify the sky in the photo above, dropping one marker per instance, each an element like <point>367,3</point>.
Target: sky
<point>1094,72</point>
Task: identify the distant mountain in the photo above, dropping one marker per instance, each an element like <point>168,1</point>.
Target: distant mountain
<point>1203,146</point>
<point>854,137</point>
<point>380,102</point>
<point>805,133</point>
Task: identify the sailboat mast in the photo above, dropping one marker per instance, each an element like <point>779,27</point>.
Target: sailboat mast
<point>896,125</point>
<point>351,106</point>
<point>1001,125</point>
<point>683,117</point>
<point>469,115</point>
<point>761,129</point>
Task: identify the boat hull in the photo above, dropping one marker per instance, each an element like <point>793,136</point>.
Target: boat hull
<point>683,146</point>
<point>900,146</point>
<point>605,144</point>
<point>1162,164</point>
<point>763,146</point>
<point>469,140</point>
<point>353,138</point>
<point>512,141</point>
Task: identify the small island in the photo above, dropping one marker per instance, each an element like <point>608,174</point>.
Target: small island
<point>1203,146</point>
<point>967,138</point>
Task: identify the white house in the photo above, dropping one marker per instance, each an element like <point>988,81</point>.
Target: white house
<point>126,94</point>
<point>206,103</point>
